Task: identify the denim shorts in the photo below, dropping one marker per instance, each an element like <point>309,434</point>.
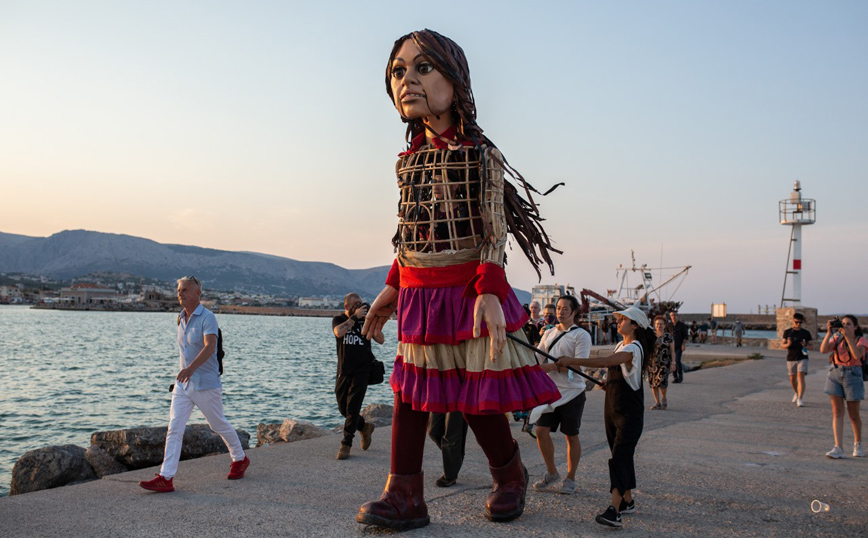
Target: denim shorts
<point>846,382</point>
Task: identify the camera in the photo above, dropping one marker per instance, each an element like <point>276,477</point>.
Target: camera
<point>362,305</point>
<point>836,324</point>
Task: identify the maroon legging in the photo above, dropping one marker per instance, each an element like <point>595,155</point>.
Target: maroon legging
<point>408,437</point>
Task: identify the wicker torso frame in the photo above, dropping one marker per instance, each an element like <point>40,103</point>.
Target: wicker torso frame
<point>439,208</point>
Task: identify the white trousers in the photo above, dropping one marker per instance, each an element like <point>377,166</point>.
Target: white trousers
<point>210,402</point>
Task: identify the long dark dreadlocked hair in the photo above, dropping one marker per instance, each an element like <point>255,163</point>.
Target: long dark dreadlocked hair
<point>522,215</point>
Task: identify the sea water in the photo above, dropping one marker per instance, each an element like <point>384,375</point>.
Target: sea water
<point>67,374</point>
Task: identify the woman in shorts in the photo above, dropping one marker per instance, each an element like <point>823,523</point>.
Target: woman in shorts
<point>844,383</point>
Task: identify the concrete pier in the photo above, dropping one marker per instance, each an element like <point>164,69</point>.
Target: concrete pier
<point>731,456</point>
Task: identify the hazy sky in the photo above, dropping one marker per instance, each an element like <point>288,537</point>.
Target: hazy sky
<point>265,126</point>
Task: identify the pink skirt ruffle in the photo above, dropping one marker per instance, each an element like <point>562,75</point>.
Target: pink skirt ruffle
<point>476,393</point>
<point>444,316</point>
<point>441,368</point>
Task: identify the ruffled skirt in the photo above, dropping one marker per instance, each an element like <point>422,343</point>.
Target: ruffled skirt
<point>441,368</point>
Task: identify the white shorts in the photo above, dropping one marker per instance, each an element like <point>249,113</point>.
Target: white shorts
<point>797,366</point>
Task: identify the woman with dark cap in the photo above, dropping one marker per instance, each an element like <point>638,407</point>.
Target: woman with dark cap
<point>453,302</point>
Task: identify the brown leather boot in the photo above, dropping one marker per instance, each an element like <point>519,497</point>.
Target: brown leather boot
<point>506,501</point>
<point>401,507</point>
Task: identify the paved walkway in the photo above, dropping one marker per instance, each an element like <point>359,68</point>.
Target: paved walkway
<point>732,456</point>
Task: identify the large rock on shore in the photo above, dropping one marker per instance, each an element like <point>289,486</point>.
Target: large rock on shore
<point>378,414</point>
<point>288,431</point>
<point>50,467</point>
<point>103,464</point>
<point>137,448</point>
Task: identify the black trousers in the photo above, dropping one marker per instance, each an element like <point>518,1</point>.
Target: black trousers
<point>624,418</point>
<point>679,371</point>
<point>449,433</point>
<point>350,392</point>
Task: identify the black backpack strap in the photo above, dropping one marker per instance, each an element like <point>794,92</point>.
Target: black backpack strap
<point>220,352</point>
<point>558,337</point>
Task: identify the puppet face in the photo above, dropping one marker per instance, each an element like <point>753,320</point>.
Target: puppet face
<point>419,90</point>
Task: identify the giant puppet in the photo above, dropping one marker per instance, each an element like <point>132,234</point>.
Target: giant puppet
<point>454,306</point>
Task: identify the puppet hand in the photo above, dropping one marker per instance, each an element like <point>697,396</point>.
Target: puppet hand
<point>489,310</point>
<point>381,310</point>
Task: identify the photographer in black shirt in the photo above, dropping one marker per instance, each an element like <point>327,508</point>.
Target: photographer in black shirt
<point>354,370</point>
<point>797,341</point>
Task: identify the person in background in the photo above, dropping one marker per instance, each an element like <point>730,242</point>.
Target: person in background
<point>604,331</point>
<point>844,385</point>
<point>198,385</point>
<point>624,407</point>
<point>712,325</point>
<point>535,313</point>
<point>566,339</point>
<point>679,335</point>
<point>449,433</point>
<point>354,370</point>
<point>613,331</point>
<point>797,341</point>
<point>703,332</point>
<point>531,327</point>
<point>658,373</point>
<point>549,319</point>
<point>694,332</point>
<point>738,332</point>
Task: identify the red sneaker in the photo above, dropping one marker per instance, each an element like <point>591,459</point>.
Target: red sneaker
<point>236,470</point>
<point>159,484</point>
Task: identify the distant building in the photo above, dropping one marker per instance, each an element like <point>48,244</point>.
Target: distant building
<point>88,294</point>
<point>11,294</point>
<point>153,297</point>
<point>319,302</point>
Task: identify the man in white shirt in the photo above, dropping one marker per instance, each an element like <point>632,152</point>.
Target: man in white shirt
<point>566,339</point>
<point>198,385</point>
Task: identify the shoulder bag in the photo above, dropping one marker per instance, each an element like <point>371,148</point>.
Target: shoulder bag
<point>378,372</point>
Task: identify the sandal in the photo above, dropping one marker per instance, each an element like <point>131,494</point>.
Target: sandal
<point>663,405</point>
<point>655,407</point>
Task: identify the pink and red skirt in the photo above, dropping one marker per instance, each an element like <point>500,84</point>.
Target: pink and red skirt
<point>441,368</point>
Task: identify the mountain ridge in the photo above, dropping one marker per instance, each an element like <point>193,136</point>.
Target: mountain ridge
<point>75,253</point>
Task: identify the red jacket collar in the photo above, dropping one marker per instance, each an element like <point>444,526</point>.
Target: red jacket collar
<point>419,141</point>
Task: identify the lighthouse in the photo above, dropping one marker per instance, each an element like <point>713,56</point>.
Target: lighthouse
<point>795,212</point>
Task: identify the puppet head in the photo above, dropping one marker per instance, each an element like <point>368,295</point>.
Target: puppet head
<point>448,59</point>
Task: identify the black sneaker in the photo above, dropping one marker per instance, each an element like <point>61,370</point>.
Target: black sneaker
<point>627,508</point>
<point>610,517</point>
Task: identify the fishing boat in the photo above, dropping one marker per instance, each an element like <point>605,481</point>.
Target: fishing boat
<point>636,287</point>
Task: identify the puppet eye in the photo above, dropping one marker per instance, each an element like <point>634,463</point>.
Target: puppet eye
<point>425,67</point>
<point>398,72</point>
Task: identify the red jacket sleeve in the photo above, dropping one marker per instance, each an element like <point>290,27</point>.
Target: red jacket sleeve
<point>490,278</point>
<point>394,277</point>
